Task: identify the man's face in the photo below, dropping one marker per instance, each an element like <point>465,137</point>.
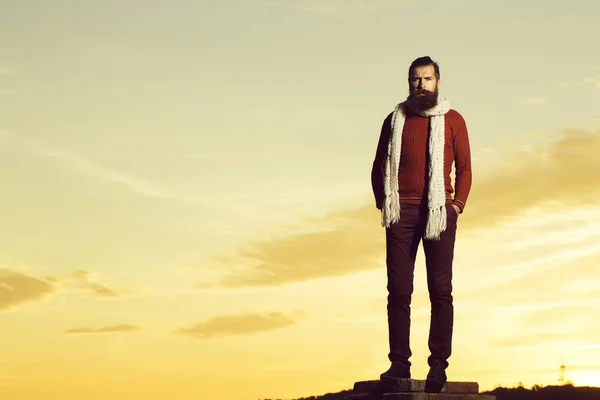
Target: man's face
<point>423,78</point>
<point>423,87</point>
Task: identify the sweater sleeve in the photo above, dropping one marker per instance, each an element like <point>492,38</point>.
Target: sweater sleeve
<point>462,162</point>
<point>378,168</point>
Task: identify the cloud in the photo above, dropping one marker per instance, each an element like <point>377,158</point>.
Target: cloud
<point>6,92</point>
<point>585,286</point>
<point>581,222</point>
<point>338,244</point>
<point>4,71</point>
<point>86,167</point>
<point>568,296</point>
<point>82,279</point>
<point>17,289</point>
<point>349,241</point>
<point>105,329</point>
<point>102,290</point>
<point>539,311</point>
<point>564,173</point>
<point>594,78</point>
<point>534,100</point>
<point>532,268</point>
<point>83,274</point>
<point>140,185</point>
<point>232,204</point>
<point>242,324</point>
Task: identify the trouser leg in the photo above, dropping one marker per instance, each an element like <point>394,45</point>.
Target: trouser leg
<point>439,256</point>
<point>402,242</point>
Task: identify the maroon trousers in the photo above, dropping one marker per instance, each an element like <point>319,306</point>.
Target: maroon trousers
<point>402,242</point>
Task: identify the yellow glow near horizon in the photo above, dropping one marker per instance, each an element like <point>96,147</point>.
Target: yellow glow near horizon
<point>186,209</point>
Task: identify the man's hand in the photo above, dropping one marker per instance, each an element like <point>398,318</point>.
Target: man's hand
<point>456,208</point>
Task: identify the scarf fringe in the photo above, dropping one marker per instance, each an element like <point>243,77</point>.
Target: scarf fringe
<point>391,207</point>
<point>390,212</point>
<point>436,223</point>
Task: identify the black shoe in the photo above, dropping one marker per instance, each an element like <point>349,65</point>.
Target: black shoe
<point>436,379</point>
<point>397,371</point>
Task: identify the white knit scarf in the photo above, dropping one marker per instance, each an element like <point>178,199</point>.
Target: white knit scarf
<point>390,212</point>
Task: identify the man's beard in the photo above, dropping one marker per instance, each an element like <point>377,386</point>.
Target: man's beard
<point>421,100</point>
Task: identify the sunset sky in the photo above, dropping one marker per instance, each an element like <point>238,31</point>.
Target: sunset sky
<point>186,207</point>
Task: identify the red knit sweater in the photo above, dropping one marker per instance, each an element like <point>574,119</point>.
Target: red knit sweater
<point>414,160</point>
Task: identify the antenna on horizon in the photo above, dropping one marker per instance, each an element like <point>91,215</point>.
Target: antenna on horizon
<point>561,378</point>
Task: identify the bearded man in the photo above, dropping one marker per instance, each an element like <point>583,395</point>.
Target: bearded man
<point>419,142</point>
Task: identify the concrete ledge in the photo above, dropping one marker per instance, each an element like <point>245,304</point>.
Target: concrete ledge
<point>411,385</point>
<point>420,396</point>
<point>436,396</point>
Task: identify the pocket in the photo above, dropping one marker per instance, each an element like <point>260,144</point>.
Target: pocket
<point>451,210</point>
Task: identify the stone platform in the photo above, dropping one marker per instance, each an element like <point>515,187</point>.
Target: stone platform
<point>413,389</point>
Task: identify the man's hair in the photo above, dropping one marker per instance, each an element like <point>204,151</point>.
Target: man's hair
<point>422,62</point>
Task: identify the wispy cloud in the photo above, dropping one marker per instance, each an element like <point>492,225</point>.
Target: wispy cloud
<point>139,185</point>
<point>17,289</point>
<point>105,329</point>
<point>590,78</point>
<point>534,100</point>
<point>583,287</point>
<point>340,243</point>
<point>243,324</point>
<point>541,310</point>
<point>594,77</point>
<point>580,222</point>
<point>564,172</point>
<point>101,290</point>
<point>86,167</point>
<point>552,261</point>
<point>352,240</point>
<point>566,281</point>
<point>593,80</point>
<point>4,71</point>
<point>83,274</point>
<point>6,92</point>
<point>83,280</point>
